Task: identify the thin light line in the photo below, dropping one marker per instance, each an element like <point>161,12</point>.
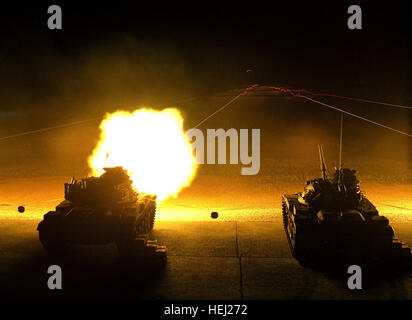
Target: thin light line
<point>354,99</point>
<point>82,121</point>
<point>227,104</point>
<point>47,129</point>
<point>354,115</point>
<point>218,110</point>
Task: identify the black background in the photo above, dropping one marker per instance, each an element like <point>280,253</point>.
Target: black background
<point>206,47</point>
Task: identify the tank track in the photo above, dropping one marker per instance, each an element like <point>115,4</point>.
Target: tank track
<point>150,249</point>
<point>146,225</point>
<point>288,225</point>
<point>400,257</point>
<point>153,216</point>
<point>142,248</point>
<point>403,253</point>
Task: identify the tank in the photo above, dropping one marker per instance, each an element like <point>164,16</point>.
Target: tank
<point>332,223</point>
<point>99,210</point>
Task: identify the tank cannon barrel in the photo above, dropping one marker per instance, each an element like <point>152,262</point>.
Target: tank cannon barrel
<point>322,163</point>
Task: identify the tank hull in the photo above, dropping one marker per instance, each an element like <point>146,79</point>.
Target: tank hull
<point>71,223</point>
<point>359,236</point>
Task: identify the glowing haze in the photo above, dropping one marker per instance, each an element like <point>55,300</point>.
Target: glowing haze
<point>151,145</point>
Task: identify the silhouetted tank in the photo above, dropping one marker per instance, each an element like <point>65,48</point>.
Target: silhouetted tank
<point>332,223</point>
<point>99,210</point>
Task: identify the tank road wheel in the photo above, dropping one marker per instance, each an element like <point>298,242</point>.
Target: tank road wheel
<point>289,226</point>
<point>51,238</point>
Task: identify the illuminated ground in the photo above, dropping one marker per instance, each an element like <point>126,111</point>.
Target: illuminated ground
<point>242,254</point>
<point>206,260</point>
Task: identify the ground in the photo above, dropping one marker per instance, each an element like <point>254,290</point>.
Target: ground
<point>242,254</point>
<point>206,260</point>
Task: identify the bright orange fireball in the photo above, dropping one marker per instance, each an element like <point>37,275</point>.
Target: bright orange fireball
<point>151,145</point>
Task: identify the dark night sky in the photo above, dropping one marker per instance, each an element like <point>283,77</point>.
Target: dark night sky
<point>127,54</point>
<point>206,48</point>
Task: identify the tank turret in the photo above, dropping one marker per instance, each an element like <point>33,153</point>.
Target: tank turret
<point>112,188</point>
<point>342,191</point>
<point>333,223</point>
